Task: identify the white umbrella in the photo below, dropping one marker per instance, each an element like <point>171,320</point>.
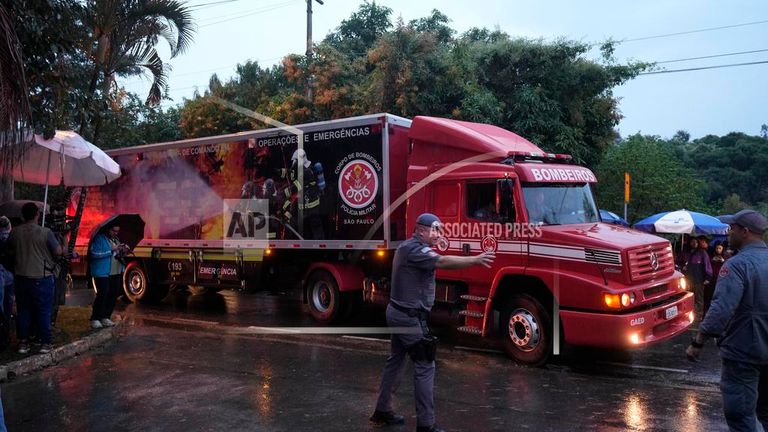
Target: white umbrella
<point>65,158</point>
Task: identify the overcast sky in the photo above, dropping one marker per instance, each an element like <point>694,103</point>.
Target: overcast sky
<point>712,101</point>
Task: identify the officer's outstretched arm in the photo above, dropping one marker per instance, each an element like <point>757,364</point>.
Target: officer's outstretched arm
<point>450,262</point>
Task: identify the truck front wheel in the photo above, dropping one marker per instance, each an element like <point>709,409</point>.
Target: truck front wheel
<point>324,297</point>
<point>527,330</point>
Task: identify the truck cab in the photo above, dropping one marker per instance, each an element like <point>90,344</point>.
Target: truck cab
<point>558,266</point>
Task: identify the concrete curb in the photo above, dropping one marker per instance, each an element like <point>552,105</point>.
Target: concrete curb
<point>41,361</point>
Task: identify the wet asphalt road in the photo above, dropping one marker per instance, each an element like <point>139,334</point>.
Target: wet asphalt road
<point>202,362</point>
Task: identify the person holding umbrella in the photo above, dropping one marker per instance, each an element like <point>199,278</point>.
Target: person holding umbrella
<point>104,258</point>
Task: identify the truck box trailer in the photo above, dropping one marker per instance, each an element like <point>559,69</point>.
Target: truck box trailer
<point>326,204</point>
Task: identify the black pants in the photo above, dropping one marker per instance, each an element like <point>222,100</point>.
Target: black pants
<point>107,290</point>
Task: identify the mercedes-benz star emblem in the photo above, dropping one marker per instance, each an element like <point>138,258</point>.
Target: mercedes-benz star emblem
<point>654,261</point>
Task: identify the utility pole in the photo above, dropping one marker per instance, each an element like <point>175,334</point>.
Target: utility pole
<point>309,46</point>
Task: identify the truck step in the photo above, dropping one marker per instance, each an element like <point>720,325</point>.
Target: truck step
<point>470,330</point>
<point>471,313</point>
<point>474,298</point>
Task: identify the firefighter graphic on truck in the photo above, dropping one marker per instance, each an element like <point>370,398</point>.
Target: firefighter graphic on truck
<point>303,194</point>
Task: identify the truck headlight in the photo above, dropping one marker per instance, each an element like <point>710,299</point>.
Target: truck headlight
<point>682,284</point>
<point>627,299</point>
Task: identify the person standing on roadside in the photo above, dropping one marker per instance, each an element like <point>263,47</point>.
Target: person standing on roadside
<point>718,258</point>
<point>411,300</point>
<point>738,318</point>
<point>104,258</point>
<point>698,270</point>
<point>35,249</point>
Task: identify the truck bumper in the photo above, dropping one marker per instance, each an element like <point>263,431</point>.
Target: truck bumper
<point>630,330</point>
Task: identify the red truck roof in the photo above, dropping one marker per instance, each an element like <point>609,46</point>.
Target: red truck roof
<point>440,140</point>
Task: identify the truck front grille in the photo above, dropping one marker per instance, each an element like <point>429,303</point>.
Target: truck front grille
<point>650,261</point>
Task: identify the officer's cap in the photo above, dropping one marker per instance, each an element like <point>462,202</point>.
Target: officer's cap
<point>427,219</point>
<point>749,219</point>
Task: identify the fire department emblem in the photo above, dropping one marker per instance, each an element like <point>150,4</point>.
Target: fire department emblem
<point>654,261</point>
<point>358,184</point>
<point>442,244</point>
<point>489,244</point>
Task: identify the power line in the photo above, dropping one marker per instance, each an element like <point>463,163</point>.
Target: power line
<point>693,31</point>
<point>713,56</point>
<point>263,10</point>
<point>204,21</point>
<point>703,68</point>
<point>205,5</point>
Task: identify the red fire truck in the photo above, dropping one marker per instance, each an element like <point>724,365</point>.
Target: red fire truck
<point>326,204</point>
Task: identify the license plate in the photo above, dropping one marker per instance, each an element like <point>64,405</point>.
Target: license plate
<point>671,312</point>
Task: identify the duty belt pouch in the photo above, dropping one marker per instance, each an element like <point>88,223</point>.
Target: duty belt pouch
<point>424,350</point>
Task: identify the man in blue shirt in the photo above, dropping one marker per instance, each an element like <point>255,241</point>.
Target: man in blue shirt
<point>411,299</point>
<point>738,318</point>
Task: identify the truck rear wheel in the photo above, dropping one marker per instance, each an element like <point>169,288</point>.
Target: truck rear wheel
<point>136,285</point>
<point>527,330</point>
<point>324,298</point>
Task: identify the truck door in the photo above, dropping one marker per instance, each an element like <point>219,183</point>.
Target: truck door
<point>490,223</point>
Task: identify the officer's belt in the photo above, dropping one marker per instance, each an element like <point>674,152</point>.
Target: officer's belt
<point>421,313</point>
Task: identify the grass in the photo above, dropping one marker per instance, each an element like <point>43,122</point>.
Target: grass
<point>72,323</point>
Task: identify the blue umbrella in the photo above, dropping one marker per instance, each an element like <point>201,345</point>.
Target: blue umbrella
<point>682,222</point>
<point>612,218</point>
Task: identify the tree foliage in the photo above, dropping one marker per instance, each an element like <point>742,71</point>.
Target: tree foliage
<point>734,163</point>
<point>659,180</point>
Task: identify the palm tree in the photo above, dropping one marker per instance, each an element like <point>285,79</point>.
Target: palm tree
<point>15,112</point>
<point>122,40</point>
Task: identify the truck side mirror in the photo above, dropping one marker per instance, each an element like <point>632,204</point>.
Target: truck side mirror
<point>506,202</point>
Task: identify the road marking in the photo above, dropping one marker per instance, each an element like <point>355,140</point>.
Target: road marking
<point>191,321</point>
<point>365,338</point>
<point>331,330</point>
<point>633,366</point>
<point>463,348</point>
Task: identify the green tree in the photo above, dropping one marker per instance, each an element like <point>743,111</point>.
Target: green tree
<point>549,92</point>
<point>356,35</point>
<point>659,181</point>
<point>410,75</point>
<point>437,24</point>
<point>122,41</point>
<point>732,204</point>
<point>734,163</point>
<point>130,122</point>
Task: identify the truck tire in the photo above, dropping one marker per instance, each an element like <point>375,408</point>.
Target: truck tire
<point>527,330</point>
<point>324,298</point>
<point>136,285</point>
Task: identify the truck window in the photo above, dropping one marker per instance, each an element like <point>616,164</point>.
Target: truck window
<point>445,199</point>
<point>560,204</point>
<point>481,202</point>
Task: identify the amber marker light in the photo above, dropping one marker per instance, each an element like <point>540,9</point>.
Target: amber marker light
<point>612,300</point>
<point>380,254</point>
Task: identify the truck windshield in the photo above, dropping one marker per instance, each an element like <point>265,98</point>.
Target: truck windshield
<point>560,204</point>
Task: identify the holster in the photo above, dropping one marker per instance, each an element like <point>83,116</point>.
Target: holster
<point>424,350</point>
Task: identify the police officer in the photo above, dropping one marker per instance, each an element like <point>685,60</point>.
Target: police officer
<point>738,318</point>
<point>412,297</point>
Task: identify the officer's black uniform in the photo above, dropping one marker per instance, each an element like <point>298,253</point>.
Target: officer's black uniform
<point>412,297</point>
